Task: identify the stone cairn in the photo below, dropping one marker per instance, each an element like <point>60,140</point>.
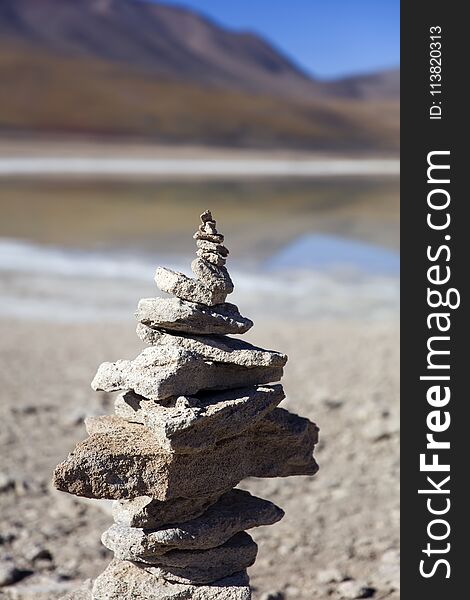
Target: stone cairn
<point>196,416</point>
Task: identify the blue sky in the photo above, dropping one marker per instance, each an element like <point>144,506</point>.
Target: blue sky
<point>328,38</point>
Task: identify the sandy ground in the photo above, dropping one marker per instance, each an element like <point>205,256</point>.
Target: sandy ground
<point>339,538</point>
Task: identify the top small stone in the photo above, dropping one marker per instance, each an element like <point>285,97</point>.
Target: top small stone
<point>207,216</point>
<point>208,229</point>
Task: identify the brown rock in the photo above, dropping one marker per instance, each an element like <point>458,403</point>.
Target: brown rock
<point>125,463</point>
<point>195,424</point>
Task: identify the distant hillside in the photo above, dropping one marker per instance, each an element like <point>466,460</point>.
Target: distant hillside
<point>376,86</point>
<point>129,67</point>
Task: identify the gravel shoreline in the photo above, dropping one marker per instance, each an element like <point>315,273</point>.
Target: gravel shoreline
<point>339,537</point>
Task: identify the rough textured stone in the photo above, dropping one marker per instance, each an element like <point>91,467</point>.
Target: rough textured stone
<point>205,566</point>
<point>215,348</point>
<point>234,512</point>
<point>212,247</point>
<point>212,283</point>
<point>217,238</point>
<point>208,220</point>
<point>124,580</point>
<point>212,276</point>
<point>176,446</point>
<point>182,286</point>
<point>163,371</point>
<point>211,257</point>
<point>125,463</point>
<point>195,424</point>
<point>174,314</point>
<point>149,513</point>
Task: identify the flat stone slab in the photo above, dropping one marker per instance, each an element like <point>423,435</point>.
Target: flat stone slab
<point>212,248</point>
<point>194,424</point>
<point>159,372</point>
<point>148,513</point>
<point>186,288</point>
<point>174,314</point>
<point>217,238</point>
<point>205,566</point>
<point>215,348</point>
<point>124,580</point>
<point>127,463</point>
<point>234,512</point>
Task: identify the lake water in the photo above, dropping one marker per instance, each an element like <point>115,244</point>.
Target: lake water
<point>80,249</point>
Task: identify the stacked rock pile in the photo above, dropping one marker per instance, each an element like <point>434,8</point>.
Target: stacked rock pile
<point>197,414</point>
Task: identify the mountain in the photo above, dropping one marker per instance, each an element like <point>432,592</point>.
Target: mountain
<point>375,86</point>
<point>131,67</point>
<point>164,40</point>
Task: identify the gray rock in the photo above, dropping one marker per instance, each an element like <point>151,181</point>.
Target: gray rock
<point>273,596</point>
<point>206,216</point>
<point>127,463</point>
<point>208,230</point>
<point>216,348</point>
<point>234,512</point>
<point>211,257</point>
<point>207,222</point>
<point>213,282</point>
<point>212,248</point>
<point>193,290</point>
<point>205,566</point>
<point>174,314</point>
<point>209,237</point>
<point>163,371</point>
<point>195,424</point>
<point>212,276</point>
<point>124,580</point>
<point>149,513</point>
<point>175,448</point>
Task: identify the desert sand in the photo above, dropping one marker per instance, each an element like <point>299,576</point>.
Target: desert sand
<point>339,537</point>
